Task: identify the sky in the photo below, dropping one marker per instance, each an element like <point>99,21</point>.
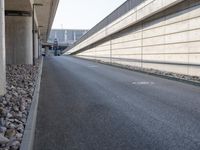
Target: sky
<point>83,14</point>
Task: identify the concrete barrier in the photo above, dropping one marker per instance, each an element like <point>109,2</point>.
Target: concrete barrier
<point>29,133</point>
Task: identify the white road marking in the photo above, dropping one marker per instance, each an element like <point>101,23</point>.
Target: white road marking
<point>143,83</point>
<point>93,66</point>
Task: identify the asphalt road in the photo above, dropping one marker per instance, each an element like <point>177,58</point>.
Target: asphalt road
<point>90,106</point>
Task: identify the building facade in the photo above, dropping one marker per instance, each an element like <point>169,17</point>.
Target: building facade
<point>65,36</point>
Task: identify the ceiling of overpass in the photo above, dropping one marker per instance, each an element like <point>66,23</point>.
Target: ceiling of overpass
<point>44,14</point>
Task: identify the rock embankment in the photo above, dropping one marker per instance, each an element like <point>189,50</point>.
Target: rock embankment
<point>14,106</point>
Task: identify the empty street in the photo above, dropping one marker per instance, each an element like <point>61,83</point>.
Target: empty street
<point>85,105</point>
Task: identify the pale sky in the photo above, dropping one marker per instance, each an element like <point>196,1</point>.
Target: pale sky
<point>83,14</point>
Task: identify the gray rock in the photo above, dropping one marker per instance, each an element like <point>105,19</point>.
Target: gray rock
<point>22,108</point>
<point>17,121</point>
<point>15,94</point>
<point>23,92</point>
<point>3,130</point>
<point>3,112</point>
<point>12,125</point>
<point>9,115</point>
<point>15,145</point>
<point>2,122</point>
<point>20,128</point>
<point>15,108</point>
<point>5,102</point>
<point>3,139</point>
<point>19,135</point>
<point>8,97</point>
<point>10,133</point>
<point>18,115</point>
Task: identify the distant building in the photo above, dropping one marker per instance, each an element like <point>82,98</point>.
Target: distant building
<point>66,36</point>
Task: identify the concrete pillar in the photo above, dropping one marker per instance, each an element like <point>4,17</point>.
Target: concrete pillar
<point>40,47</point>
<point>36,45</point>
<point>2,49</point>
<point>19,40</point>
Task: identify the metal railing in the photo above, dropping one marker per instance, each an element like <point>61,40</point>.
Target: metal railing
<point>120,11</point>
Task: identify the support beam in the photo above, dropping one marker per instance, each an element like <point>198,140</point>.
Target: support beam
<point>2,50</point>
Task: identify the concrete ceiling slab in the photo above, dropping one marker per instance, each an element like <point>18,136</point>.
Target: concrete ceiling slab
<point>45,16</point>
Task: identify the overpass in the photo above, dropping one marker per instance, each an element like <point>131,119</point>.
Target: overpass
<point>158,34</point>
<point>24,25</point>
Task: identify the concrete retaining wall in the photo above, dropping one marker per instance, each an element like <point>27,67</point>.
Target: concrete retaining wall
<point>168,41</point>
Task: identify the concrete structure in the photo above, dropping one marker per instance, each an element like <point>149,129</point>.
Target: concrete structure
<point>2,49</point>
<point>19,40</point>
<point>36,45</point>
<point>66,36</point>
<point>157,34</point>
<point>19,26</point>
<point>22,25</point>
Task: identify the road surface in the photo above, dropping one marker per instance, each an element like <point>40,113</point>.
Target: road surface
<point>85,105</point>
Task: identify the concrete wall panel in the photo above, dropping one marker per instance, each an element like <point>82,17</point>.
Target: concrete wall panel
<point>154,41</point>
<point>194,59</point>
<point>154,32</point>
<point>129,44</point>
<point>167,41</point>
<point>176,38</point>
<point>178,48</point>
<point>131,37</point>
<point>194,47</point>
<point>127,51</point>
<point>194,35</point>
<point>160,58</point>
<point>160,49</point>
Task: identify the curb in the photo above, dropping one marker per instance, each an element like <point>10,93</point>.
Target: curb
<point>29,133</point>
<point>145,72</point>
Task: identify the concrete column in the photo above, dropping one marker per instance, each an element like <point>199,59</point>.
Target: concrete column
<point>36,45</point>
<point>39,47</point>
<point>2,49</point>
<point>19,40</point>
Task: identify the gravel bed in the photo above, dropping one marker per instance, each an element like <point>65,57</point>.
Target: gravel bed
<point>15,105</point>
<point>195,79</point>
